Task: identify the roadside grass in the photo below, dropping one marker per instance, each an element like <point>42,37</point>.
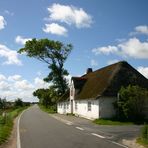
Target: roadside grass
<point>6,123</point>
<point>143,142</point>
<point>143,139</point>
<point>111,122</point>
<point>50,110</point>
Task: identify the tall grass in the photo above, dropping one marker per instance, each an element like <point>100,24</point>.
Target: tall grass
<point>6,123</point>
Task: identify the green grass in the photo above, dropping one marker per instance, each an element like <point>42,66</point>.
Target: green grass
<point>6,123</point>
<point>111,122</point>
<point>50,110</point>
<point>143,142</point>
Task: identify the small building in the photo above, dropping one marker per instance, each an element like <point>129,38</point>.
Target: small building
<point>93,94</point>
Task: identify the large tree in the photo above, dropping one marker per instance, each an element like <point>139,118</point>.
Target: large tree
<point>54,53</point>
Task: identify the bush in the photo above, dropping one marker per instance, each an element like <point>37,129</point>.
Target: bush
<point>131,103</point>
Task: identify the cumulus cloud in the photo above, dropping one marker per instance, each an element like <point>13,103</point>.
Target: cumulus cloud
<point>21,40</point>
<point>105,50</point>
<point>131,48</point>
<point>69,15</point>
<point>94,62</point>
<point>112,61</point>
<point>134,48</point>
<point>143,71</point>
<point>14,78</point>
<point>10,55</point>
<point>55,28</point>
<point>15,86</point>
<point>2,22</point>
<point>142,29</point>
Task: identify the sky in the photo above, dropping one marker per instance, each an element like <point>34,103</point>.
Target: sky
<point>102,32</point>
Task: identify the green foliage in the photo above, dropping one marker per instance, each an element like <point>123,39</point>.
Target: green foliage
<point>47,97</point>
<point>131,102</point>
<point>143,139</point>
<point>49,109</point>
<point>3,103</point>
<point>110,122</point>
<point>18,103</point>
<point>144,133</point>
<point>6,123</point>
<point>54,53</point>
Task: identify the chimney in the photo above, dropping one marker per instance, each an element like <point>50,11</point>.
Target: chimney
<point>89,70</point>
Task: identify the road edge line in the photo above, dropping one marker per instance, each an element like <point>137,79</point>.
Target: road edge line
<point>18,129</point>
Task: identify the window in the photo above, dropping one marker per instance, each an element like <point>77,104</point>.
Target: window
<point>89,105</point>
<point>76,105</point>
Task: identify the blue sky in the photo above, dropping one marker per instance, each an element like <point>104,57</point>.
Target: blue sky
<point>102,32</point>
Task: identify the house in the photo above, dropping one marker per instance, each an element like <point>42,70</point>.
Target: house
<point>92,95</point>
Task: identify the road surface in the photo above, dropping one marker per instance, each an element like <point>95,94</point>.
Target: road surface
<point>40,130</point>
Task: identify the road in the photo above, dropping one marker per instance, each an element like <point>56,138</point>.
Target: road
<point>40,130</point>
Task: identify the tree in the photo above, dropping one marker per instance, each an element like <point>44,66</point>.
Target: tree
<point>54,53</point>
<point>47,97</point>
<point>131,103</point>
<point>3,103</point>
<point>18,103</point>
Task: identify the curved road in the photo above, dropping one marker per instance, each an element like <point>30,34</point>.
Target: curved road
<point>40,130</point>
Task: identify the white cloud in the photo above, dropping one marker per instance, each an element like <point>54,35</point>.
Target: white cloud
<point>15,86</point>
<point>4,86</point>
<point>69,15</point>
<point>142,29</point>
<point>143,71</point>
<point>134,48</point>
<point>39,83</point>
<point>112,61</point>
<point>21,40</point>
<point>2,77</point>
<point>23,85</point>
<point>131,48</point>
<point>14,78</point>
<point>105,50</point>
<point>94,62</point>
<point>2,22</point>
<point>55,28</point>
<point>10,55</point>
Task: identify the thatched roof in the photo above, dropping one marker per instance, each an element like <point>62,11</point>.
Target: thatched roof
<point>107,81</point>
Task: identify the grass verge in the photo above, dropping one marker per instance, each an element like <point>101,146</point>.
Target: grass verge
<point>143,142</point>
<point>6,123</point>
<point>111,122</point>
<point>50,110</point>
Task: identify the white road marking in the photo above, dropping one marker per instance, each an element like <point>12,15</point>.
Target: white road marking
<point>94,134</point>
<point>80,128</point>
<point>119,144</point>
<point>18,130</point>
<point>69,123</point>
<point>62,120</point>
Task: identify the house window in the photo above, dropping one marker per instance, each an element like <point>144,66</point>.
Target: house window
<point>89,105</point>
<point>76,105</point>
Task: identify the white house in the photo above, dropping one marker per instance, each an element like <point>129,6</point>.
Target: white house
<point>93,94</point>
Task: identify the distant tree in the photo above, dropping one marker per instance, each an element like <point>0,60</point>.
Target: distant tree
<point>3,103</point>
<point>54,53</point>
<point>47,97</point>
<point>131,103</point>
<point>18,103</point>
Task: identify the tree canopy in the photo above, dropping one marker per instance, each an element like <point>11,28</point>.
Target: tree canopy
<point>54,53</point>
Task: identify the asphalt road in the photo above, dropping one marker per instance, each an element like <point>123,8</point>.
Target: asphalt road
<point>39,130</point>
